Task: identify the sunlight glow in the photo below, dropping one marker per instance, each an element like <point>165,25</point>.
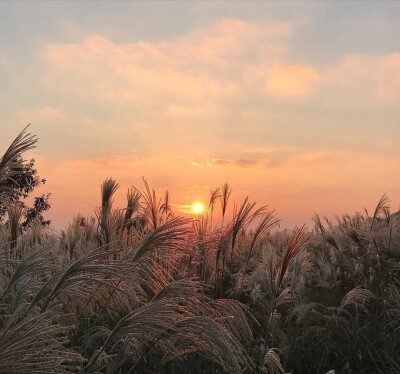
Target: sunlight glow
<point>198,208</point>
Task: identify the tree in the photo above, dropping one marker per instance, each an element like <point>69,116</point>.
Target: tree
<point>23,180</point>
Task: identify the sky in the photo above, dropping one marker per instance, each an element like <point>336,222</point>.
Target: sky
<point>295,104</point>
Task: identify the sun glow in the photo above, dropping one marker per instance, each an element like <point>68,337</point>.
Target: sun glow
<point>197,208</point>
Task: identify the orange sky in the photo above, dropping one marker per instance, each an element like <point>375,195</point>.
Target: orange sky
<point>290,105</point>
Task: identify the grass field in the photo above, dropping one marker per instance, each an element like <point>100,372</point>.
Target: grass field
<point>138,289</point>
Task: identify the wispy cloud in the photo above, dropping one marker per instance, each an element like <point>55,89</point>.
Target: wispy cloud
<point>223,162</point>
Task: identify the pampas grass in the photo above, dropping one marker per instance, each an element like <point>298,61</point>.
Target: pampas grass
<point>140,289</point>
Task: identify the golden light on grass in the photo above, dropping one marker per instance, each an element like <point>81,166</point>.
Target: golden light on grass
<point>198,208</point>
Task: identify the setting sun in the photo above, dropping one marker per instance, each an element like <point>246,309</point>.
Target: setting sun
<point>198,208</point>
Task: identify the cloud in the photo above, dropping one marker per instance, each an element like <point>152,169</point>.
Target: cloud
<point>38,116</point>
<point>225,162</point>
<point>303,180</point>
<point>231,81</point>
<point>186,89</point>
<point>195,68</point>
<point>246,163</point>
<point>219,162</point>
<point>208,68</point>
<point>292,81</point>
<point>366,77</point>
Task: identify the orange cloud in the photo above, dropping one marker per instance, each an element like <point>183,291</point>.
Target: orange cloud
<point>304,182</point>
<point>291,81</point>
<point>191,70</point>
<point>224,162</point>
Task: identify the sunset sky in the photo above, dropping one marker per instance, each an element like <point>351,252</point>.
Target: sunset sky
<point>296,104</point>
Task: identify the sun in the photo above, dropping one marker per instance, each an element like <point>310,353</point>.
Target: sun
<point>198,208</point>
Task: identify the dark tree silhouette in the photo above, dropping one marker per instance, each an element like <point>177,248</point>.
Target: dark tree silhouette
<point>22,185</point>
